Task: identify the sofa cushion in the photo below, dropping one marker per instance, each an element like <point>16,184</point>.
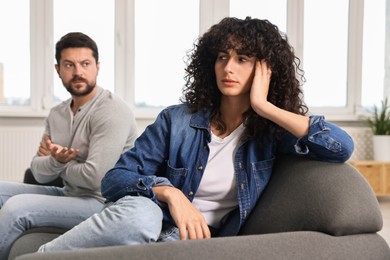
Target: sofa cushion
<point>315,196</point>
<point>32,239</point>
<point>294,245</point>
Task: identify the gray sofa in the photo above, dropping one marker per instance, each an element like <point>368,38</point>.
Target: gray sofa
<point>309,210</point>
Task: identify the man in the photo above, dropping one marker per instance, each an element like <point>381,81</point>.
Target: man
<point>84,137</point>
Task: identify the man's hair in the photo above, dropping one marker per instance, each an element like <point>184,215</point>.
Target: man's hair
<point>76,40</point>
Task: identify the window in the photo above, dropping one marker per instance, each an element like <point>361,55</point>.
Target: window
<point>15,53</point>
<point>373,65</point>
<point>143,45</point>
<point>275,11</point>
<point>161,44</point>
<point>98,24</point>
<point>325,53</point>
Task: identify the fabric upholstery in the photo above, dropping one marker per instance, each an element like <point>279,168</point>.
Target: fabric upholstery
<point>32,239</point>
<point>315,196</point>
<point>309,210</point>
<point>29,178</point>
<point>273,246</point>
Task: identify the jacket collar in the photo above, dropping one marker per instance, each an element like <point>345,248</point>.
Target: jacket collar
<point>201,119</point>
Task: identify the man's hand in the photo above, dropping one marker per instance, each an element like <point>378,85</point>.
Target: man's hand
<point>43,149</point>
<point>60,153</point>
<point>187,218</point>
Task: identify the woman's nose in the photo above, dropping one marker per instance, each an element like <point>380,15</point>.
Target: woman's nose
<point>229,65</point>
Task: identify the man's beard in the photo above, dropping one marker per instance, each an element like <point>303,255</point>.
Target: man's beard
<point>74,92</point>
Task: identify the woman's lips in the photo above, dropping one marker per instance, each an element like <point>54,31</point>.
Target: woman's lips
<point>229,82</point>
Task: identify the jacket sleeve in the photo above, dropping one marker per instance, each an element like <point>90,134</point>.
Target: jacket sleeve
<point>325,141</point>
<point>142,167</point>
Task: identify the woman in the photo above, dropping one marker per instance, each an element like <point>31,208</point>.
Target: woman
<point>200,168</point>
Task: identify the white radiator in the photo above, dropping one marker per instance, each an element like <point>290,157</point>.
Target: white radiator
<point>17,147</point>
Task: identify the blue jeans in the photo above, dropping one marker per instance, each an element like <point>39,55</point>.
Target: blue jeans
<point>25,206</point>
<point>129,221</point>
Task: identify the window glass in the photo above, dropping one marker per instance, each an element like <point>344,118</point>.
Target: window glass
<point>96,19</point>
<point>325,53</point>
<point>373,69</point>
<point>15,53</point>
<point>275,11</point>
<point>164,32</point>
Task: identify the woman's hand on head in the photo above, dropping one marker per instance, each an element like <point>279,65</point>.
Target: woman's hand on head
<point>296,124</point>
<point>260,87</point>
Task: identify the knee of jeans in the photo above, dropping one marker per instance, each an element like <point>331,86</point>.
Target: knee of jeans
<point>15,203</point>
<point>14,208</point>
<point>139,215</point>
<point>139,207</point>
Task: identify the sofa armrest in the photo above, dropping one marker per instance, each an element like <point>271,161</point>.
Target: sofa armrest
<point>308,195</point>
<point>32,239</point>
<point>30,179</point>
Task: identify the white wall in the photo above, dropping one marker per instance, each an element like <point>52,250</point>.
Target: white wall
<point>20,137</point>
<point>19,141</point>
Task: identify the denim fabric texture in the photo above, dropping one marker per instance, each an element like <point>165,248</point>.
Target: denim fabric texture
<point>30,206</point>
<point>128,221</point>
<point>174,151</point>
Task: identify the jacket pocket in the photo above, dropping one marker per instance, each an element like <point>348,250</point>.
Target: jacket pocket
<point>176,175</point>
<point>261,173</point>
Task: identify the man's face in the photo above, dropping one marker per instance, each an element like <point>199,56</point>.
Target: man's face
<point>78,70</point>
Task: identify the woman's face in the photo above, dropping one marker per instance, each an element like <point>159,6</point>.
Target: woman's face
<point>234,73</point>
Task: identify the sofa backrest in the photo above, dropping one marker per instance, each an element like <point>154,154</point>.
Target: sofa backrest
<point>309,195</point>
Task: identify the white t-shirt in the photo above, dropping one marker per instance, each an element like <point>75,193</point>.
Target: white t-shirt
<point>217,195</point>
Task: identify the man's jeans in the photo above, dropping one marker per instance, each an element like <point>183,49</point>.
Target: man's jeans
<point>25,206</point>
<point>129,221</point>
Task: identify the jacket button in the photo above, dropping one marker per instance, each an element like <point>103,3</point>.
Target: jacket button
<point>200,167</point>
<point>190,193</point>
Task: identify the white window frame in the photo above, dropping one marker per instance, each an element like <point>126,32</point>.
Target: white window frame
<point>211,12</point>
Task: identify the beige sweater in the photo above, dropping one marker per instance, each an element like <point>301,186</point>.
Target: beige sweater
<point>102,130</point>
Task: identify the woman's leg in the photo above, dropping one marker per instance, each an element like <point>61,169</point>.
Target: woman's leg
<point>25,211</point>
<point>130,220</point>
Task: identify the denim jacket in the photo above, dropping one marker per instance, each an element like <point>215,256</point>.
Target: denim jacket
<point>174,151</point>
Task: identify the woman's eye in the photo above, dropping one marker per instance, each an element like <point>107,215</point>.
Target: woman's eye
<point>243,59</point>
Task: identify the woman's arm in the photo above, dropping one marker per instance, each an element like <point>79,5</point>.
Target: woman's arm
<point>311,136</point>
<point>296,124</point>
<point>187,218</point>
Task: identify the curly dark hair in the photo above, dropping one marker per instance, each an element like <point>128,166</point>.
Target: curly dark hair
<point>251,37</point>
